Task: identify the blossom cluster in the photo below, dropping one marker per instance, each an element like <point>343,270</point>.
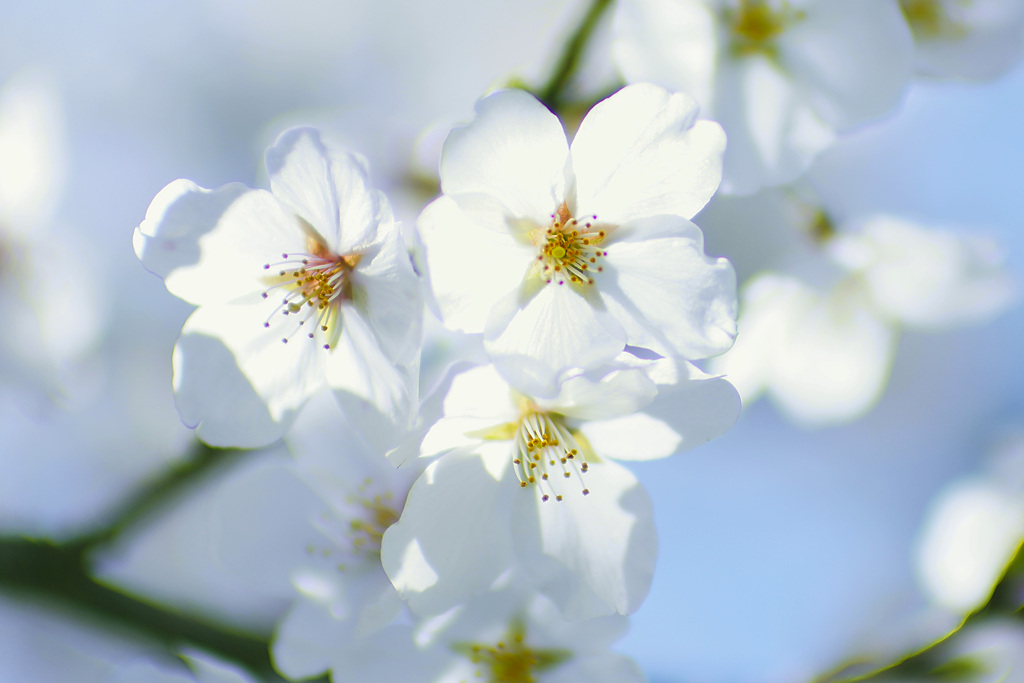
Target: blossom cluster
<point>460,394</point>
<point>576,291</point>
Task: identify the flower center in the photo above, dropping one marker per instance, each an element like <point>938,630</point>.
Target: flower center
<point>355,532</point>
<point>929,20</point>
<point>754,26</point>
<point>314,285</point>
<point>546,451</point>
<point>510,660</point>
<point>570,249</point>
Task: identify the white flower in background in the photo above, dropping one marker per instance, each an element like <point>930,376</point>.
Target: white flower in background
<point>563,255</point>
<point>534,483</point>
<point>781,76</point>
<point>46,328</point>
<point>304,286</point>
<point>976,39</point>
<point>972,532</point>
<point>991,651</point>
<point>310,530</point>
<point>823,352</point>
<point>511,635</point>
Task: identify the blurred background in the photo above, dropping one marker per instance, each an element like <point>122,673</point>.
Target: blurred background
<point>783,550</point>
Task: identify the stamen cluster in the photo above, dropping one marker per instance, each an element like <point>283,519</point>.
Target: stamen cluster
<point>544,446</point>
<point>316,282</point>
<point>571,249</point>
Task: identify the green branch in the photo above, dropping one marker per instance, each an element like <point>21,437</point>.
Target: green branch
<point>553,93</point>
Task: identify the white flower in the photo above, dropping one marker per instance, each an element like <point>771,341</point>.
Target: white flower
<point>305,286</point>
<point>823,353</point>
<point>49,294</point>
<point>531,483</point>
<point>511,635</point>
<point>563,255</point>
<point>972,532</point>
<point>781,76</point>
<point>976,39</point>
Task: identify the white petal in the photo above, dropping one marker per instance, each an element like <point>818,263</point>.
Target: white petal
<point>928,278</point>
<point>968,540</point>
<point>600,549</point>
<point>557,329</point>
<point>697,410</point>
<point>456,515</point>
<point>633,437</point>
<point>32,151</point>
<point>378,396</point>
<point>514,153</point>
<point>619,392</point>
<point>331,191</point>
<point>641,152</point>
<point>844,82</point>
<point>656,271</point>
<point>389,295</point>
<point>768,144</point>
<point>769,303</point>
<point>211,246</point>
<point>832,363</point>
<point>235,382</point>
<point>985,39</point>
<point>673,44</point>
<point>471,268</point>
<point>305,639</point>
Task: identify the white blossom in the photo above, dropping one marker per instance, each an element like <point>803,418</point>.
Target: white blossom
<point>975,39</point>
<point>562,255</point>
<point>306,286</point>
<point>781,76</point>
<point>527,482</point>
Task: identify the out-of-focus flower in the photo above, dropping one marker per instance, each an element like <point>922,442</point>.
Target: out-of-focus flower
<point>823,352</point>
<point>563,255</point>
<point>303,286</point>
<point>972,532</point>
<point>532,482</point>
<point>509,634</point>
<point>49,298</point>
<point>976,39</point>
<point>782,77</point>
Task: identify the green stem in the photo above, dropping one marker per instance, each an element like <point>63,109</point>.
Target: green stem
<point>553,92</point>
<point>57,577</point>
<point>158,494</point>
<point>920,664</point>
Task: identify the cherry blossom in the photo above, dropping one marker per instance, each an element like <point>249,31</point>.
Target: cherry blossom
<point>976,39</point>
<point>562,255</point>
<point>308,285</point>
<point>782,77</point>
<point>528,482</point>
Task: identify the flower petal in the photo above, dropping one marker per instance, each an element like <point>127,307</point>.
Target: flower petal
<point>234,380</point>
<point>514,153</point>
<point>470,268</point>
<point>211,246</point>
<point>846,83</point>
<point>378,396</point>
<point>659,277</point>
<point>641,152</point>
<point>557,329</point>
<point>453,539</point>
<point>598,551</point>
<point>330,190</point>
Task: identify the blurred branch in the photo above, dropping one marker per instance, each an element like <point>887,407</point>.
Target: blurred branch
<point>929,662</point>
<point>154,496</point>
<point>554,92</point>
<point>59,575</point>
